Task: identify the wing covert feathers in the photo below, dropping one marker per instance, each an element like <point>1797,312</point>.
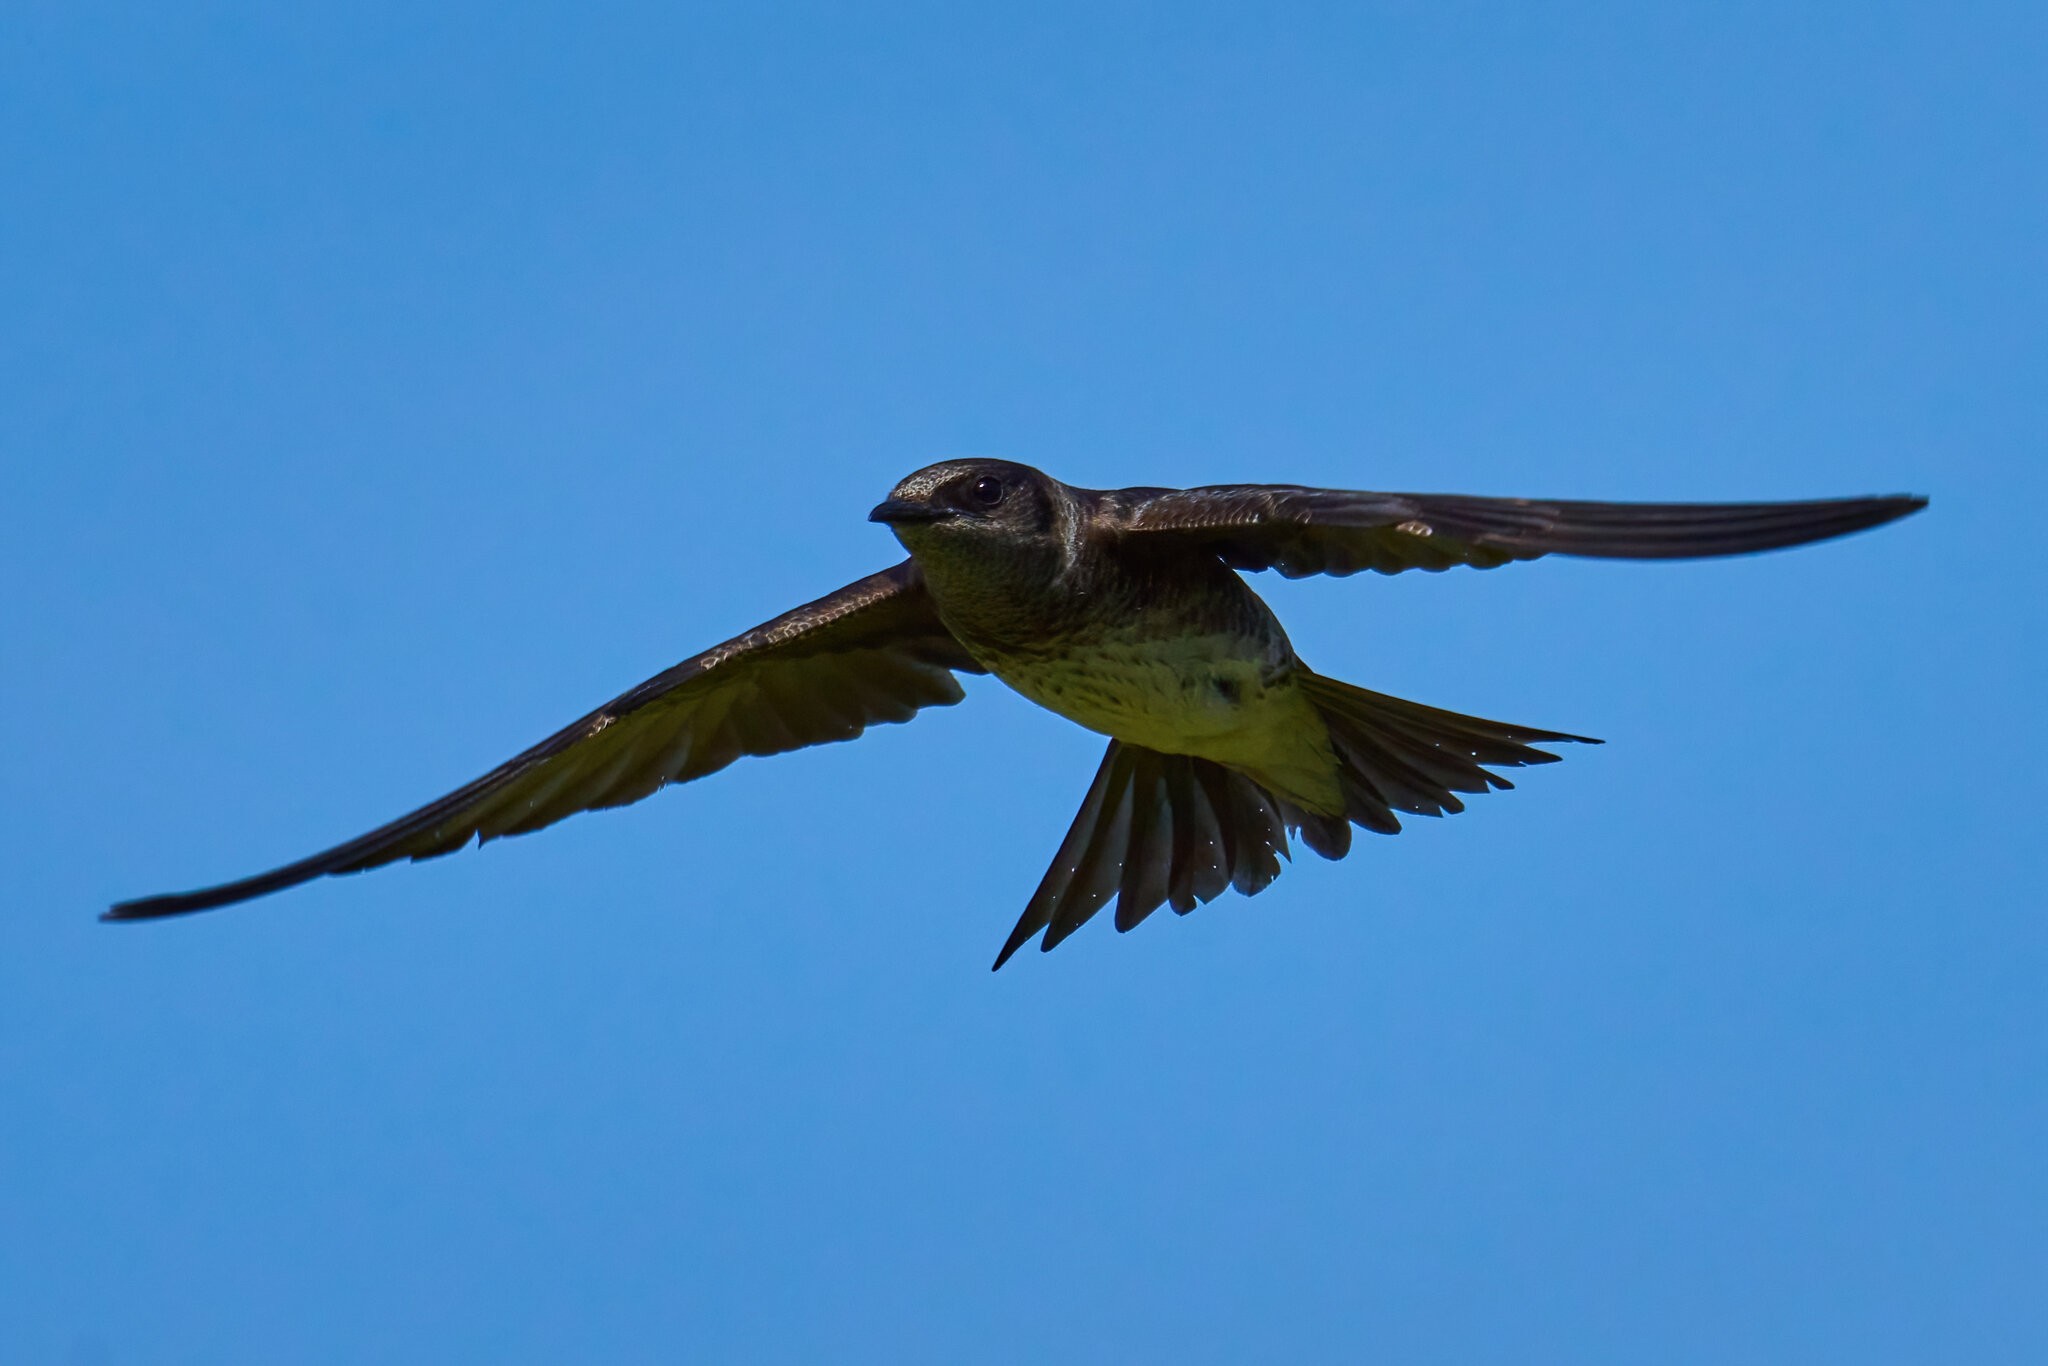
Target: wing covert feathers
<point>873,652</point>
<point>1301,531</point>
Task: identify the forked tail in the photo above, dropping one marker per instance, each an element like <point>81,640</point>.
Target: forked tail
<point>1170,829</point>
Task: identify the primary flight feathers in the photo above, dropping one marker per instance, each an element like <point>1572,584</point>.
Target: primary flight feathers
<point>1300,532</point>
<point>872,652</point>
<point>1085,601</point>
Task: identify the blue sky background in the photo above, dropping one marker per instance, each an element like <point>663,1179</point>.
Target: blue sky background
<point>379,390</point>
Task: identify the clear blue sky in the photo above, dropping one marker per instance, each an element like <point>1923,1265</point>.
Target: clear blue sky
<point>379,390</point>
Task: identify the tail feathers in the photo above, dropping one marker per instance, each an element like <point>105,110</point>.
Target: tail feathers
<point>1171,829</point>
<point>1156,829</point>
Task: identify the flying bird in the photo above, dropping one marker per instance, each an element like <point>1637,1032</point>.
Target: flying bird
<point>1123,610</point>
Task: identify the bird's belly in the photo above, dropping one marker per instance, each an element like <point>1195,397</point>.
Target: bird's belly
<point>1204,695</point>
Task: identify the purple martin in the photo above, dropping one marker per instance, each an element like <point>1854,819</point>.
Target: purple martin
<point>1125,611</point>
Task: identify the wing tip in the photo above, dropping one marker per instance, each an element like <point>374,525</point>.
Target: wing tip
<point>168,904</point>
<point>145,908</point>
<point>1892,506</point>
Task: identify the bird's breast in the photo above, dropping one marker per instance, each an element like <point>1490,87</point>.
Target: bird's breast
<point>1174,654</point>
<point>1186,692</point>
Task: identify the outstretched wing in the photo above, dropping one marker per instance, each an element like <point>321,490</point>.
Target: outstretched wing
<point>1302,531</point>
<point>874,651</point>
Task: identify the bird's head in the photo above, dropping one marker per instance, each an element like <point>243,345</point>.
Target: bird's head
<point>966,503</point>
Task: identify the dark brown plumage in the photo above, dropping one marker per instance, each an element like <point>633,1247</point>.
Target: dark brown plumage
<point>872,652</point>
<point>1120,610</point>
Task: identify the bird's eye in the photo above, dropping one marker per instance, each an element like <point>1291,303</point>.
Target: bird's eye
<point>987,491</point>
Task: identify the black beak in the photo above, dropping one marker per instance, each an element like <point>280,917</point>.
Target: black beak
<point>897,511</point>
